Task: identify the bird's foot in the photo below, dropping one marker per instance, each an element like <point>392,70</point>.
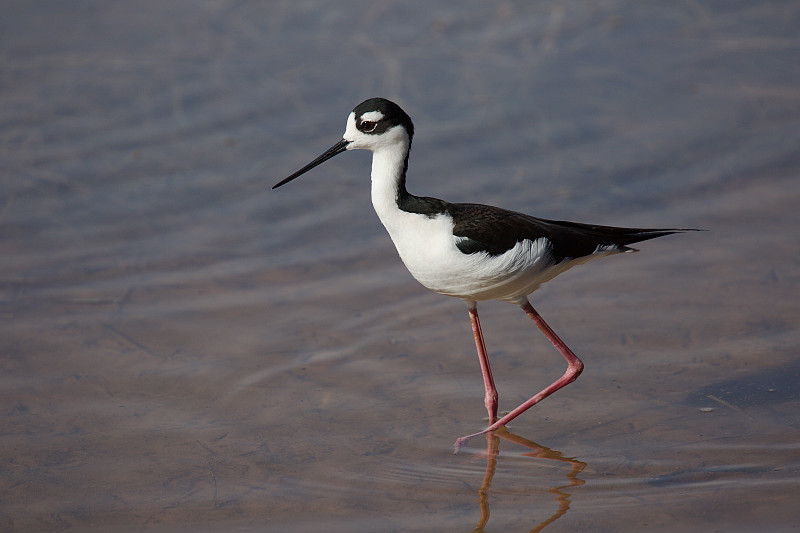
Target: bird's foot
<point>461,441</point>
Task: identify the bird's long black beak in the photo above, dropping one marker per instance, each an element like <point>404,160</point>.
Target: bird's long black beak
<point>337,148</point>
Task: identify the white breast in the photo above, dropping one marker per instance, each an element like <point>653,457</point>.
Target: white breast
<point>428,248</point>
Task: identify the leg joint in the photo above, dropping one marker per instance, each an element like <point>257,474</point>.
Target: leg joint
<point>574,370</point>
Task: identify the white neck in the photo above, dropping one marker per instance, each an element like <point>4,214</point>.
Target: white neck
<point>387,172</point>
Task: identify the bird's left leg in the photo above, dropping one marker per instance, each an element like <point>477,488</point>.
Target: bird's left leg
<point>490,399</point>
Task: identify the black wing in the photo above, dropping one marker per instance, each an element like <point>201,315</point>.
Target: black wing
<point>493,230</point>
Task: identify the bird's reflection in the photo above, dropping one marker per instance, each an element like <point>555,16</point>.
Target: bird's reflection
<point>537,452</point>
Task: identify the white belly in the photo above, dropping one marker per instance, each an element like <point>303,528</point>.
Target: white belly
<point>428,249</point>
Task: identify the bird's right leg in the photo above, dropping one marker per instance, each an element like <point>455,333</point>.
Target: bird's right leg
<point>490,399</point>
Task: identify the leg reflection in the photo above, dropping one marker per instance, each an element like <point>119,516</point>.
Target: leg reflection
<point>537,452</point>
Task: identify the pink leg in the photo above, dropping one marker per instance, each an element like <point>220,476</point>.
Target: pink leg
<point>490,400</point>
<point>574,368</point>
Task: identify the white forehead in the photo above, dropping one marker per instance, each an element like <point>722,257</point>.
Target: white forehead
<point>350,130</point>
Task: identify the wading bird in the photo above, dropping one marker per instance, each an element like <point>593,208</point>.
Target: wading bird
<point>471,251</point>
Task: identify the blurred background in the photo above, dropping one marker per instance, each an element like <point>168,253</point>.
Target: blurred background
<point>184,349</point>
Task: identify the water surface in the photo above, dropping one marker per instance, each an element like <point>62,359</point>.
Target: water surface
<point>184,349</point>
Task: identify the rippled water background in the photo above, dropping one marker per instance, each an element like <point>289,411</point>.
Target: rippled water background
<point>183,349</point>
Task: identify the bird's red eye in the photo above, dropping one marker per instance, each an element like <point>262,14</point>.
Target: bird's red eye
<point>368,126</point>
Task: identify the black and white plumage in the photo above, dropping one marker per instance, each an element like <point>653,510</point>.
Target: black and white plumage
<point>470,251</point>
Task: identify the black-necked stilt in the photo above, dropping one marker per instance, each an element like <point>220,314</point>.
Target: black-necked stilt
<point>471,251</point>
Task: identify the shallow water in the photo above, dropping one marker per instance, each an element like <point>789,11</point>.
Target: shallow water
<point>184,349</point>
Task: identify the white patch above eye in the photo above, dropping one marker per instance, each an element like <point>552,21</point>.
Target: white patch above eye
<point>372,116</point>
